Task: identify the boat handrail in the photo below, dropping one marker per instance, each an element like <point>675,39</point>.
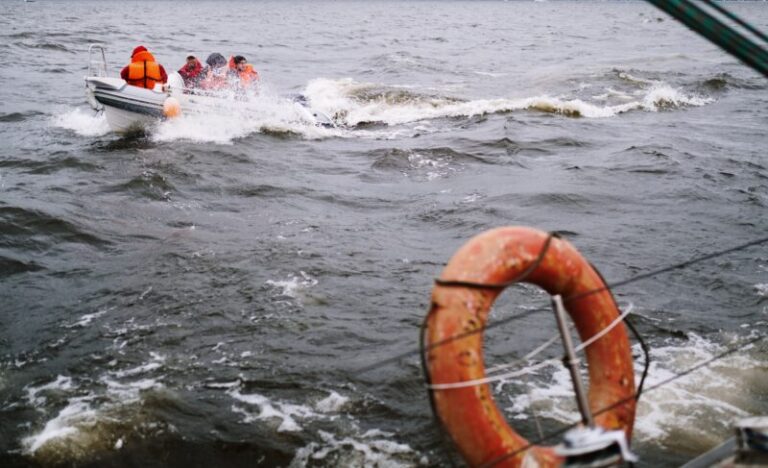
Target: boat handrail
<point>97,67</point>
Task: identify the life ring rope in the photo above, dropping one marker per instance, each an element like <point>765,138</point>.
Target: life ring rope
<point>535,352</point>
<point>519,279</point>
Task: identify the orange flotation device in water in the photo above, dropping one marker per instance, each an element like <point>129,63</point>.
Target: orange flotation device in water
<point>460,306</point>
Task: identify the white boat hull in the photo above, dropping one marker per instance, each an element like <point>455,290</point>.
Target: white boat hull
<point>122,121</point>
<point>129,108</point>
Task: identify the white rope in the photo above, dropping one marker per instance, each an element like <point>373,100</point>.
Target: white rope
<point>605,330</point>
<point>496,378</point>
<point>528,370</point>
<point>528,356</point>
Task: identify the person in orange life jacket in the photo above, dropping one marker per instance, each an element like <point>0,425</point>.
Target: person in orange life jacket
<point>191,72</point>
<point>214,75</point>
<point>143,71</point>
<point>242,72</point>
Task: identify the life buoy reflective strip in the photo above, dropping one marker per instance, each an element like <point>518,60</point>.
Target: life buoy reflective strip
<point>499,256</point>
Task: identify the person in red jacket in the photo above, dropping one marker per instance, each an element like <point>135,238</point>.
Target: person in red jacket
<point>191,72</point>
<point>143,71</point>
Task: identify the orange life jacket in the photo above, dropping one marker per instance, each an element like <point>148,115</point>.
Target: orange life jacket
<point>247,76</point>
<point>143,71</point>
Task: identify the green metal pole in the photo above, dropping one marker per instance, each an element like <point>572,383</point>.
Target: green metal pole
<point>717,32</point>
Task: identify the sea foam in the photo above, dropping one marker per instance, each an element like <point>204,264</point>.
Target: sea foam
<point>83,122</point>
<point>708,400</point>
<point>354,103</point>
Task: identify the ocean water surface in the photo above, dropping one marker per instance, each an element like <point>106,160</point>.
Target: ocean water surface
<point>205,293</point>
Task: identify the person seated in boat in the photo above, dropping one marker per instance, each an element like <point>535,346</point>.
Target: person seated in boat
<point>143,71</point>
<point>191,72</point>
<point>241,73</point>
<point>214,75</point>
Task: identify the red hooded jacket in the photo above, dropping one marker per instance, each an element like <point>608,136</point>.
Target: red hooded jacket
<point>191,77</point>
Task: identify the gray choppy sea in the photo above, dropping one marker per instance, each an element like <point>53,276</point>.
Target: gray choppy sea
<point>202,294</point>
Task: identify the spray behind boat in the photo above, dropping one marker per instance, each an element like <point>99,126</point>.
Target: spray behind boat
<point>128,108</point>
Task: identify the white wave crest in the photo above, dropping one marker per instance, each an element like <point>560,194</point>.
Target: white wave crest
<point>62,383</point>
<point>349,102</point>
<point>294,284</point>
<point>83,122</point>
<point>155,363</point>
<point>86,319</point>
<point>287,413</point>
<point>634,79</point>
<point>88,423</point>
<point>699,407</point>
<point>64,428</point>
<point>364,450</point>
<point>662,96</point>
<point>332,403</point>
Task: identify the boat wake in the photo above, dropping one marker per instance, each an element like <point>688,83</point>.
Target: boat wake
<point>370,110</point>
<point>353,104</point>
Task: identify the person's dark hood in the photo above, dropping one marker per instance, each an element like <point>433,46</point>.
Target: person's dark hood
<point>216,60</point>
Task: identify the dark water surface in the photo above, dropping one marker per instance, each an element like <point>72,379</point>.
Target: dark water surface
<point>201,295</point>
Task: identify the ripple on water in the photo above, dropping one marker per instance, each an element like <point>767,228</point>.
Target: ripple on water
<point>55,162</point>
<point>19,116</point>
<point>11,266</point>
<point>540,147</point>
<point>149,184</point>
<point>29,229</point>
<point>649,159</point>
<point>53,46</point>
<point>423,164</point>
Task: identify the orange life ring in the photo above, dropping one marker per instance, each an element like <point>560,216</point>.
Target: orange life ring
<point>498,256</point>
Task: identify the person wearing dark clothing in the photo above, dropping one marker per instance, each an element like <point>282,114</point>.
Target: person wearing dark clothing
<point>214,75</point>
<point>191,72</point>
<point>143,71</point>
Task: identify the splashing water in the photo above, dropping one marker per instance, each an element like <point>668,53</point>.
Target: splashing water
<point>84,122</point>
<point>224,120</point>
<point>723,388</point>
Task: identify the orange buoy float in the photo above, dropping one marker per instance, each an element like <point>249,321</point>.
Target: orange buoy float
<point>171,107</point>
<point>460,305</point>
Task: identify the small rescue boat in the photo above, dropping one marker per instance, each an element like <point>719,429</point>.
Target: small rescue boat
<point>128,108</point>
<point>125,107</point>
